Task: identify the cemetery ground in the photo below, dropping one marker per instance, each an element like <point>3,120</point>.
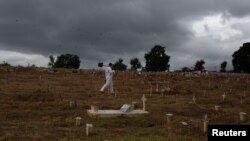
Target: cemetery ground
<point>35,105</point>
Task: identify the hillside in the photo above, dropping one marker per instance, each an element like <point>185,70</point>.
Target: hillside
<point>35,104</point>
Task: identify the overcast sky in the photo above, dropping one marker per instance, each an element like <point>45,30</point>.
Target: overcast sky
<point>106,30</point>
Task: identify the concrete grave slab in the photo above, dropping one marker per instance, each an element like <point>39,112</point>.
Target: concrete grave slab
<point>125,110</point>
<point>115,113</point>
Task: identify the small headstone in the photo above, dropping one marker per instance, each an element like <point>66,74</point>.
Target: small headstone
<point>168,89</point>
<point>205,117</point>
<point>88,128</point>
<point>216,107</point>
<point>94,108</point>
<point>243,116</point>
<point>205,122</point>
<point>205,126</point>
<point>157,88</point>
<point>125,108</point>
<point>133,105</point>
<point>144,99</point>
<point>169,117</point>
<point>184,123</point>
<point>194,100</point>
<point>78,121</point>
<point>72,104</point>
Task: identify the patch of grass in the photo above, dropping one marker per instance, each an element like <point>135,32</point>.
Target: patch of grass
<point>226,104</point>
<point>155,138</point>
<point>141,121</point>
<point>212,101</point>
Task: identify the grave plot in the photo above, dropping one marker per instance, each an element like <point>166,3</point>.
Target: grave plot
<point>125,110</point>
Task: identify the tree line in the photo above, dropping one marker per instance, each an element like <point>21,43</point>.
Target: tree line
<point>156,60</point>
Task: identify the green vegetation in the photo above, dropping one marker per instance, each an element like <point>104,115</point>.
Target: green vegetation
<point>68,61</point>
<point>157,59</point>
<point>119,65</point>
<point>241,59</point>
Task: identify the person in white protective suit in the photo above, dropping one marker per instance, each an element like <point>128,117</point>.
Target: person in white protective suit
<point>108,76</point>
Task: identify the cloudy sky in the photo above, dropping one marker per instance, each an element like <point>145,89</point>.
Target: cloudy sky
<point>105,30</point>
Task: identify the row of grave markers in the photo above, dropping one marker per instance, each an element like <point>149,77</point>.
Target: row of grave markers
<point>89,127</point>
<point>242,116</point>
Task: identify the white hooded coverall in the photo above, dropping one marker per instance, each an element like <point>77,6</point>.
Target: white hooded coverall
<point>109,82</point>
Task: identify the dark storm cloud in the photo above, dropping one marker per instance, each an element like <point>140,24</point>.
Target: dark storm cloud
<point>99,30</point>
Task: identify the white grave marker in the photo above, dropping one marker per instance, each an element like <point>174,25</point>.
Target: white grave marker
<point>194,99</point>
<point>168,90</point>
<point>224,96</point>
<point>72,104</point>
<point>205,122</point>
<point>169,117</point>
<point>205,126</point>
<point>243,116</point>
<point>184,123</point>
<point>157,88</point>
<point>205,117</point>
<point>78,121</point>
<point>115,91</point>
<point>94,108</point>
<point>125,108</point>
<point>88,127</point>
<point>133,105</point>
<point>144,99</point>
<point>217,107</point>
